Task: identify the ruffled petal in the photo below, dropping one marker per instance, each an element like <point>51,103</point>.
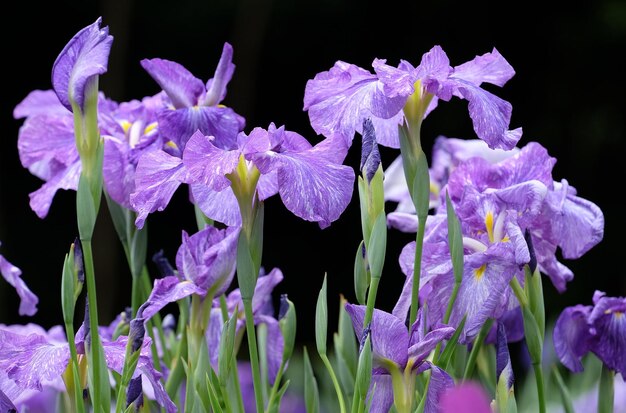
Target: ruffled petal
<point>216,87</point>
<point>64,178</point>
<point>12,274</point>
<point>40,102</point>
<point>168,290</point>
<point>220,206</point>
<point>572,338</point>
<point>490,68</point>
<point>83,58</point>
<point>181,86</point>
<point>207,164</point>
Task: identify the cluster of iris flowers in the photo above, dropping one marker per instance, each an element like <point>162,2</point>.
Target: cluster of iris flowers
<point>489,220</point>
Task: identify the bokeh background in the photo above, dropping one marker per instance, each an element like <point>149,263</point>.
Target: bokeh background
<point>568,94</point>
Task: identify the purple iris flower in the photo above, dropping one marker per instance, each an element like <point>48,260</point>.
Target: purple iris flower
<point>263,313</point>
<point>311,181</point>
<point>393,345</point>
<point>33,358</point>
<point>12,275</point>
<point>468,397</point>
<point>206,266</point>
<point>339,100</point>
<point>81,61</point>
<point>193,105</point>
<point>600,329</point>
<point>129,129</point>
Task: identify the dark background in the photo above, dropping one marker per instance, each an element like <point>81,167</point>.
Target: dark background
<point>568,94</point>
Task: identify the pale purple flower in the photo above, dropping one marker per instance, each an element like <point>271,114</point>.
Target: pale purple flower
<point>468,397</point>
<point>194,106</point>
<point>12,275</point>
<point>600,329</point>
<point>393,343</point>
<point>206,266</point>
<point>339,100</point>
<point>311,181</point>
<point>81,61</point>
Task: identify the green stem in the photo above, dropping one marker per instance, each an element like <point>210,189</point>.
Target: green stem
<point>417,269</point>
<point>276,385</point>
<point>371,300</point>
<point>136,295</point>
<point>78,404</point>
<point>606,391</point>
<point>333,377</point>
<point>541,388</point>
<point>471,362</point>
<point>455,292</point>
<point>254,354</point>
<point>568,407</point>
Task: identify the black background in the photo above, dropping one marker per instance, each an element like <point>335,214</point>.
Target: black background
<point>568,94</point>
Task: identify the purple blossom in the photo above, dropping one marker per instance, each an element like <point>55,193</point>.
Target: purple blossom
<point>393,344</point>
<point>339,100</point>
<point>192,105</point>
<point>84,58</point>
<point>206,266</point>
<point>600,329</point>
<point>12,275</point>
<point>311,181</point>
<point>468,397</point>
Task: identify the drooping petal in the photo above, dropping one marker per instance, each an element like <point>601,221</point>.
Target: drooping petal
<point>339,100</point>
<point>274,345</point>
<point>157,177</point>
<point>64,178</point>
<point>216,87</point>
<point>465,398</point>
<point>118,174</point>
<point>490,68</point>
<point>390,338</point>
<point>168,290</point>
<point>403,221</point>
<point>183,88</point>
<point>219,122</point>
<point>220,206</point>
<point>83,58</point>
<point>12,274</point>
<point>609,321</point>
<point>207,258</point>
<point>40,102</point>
<point>380,394</point>
<point>207,164</point>
<point>440,383</point>
<point>422,348</point>
<point>572,338</point>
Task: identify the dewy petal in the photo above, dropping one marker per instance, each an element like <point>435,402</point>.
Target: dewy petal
<point>207,164</point>
<point>31,359</point>
<point>490,68</point>
<point>220,206</point>
<point>572,337</point>
<point>465,398</point>
<point>390,338</point>
<point>577,224</point>
<point>490,115</point>
<point>274,345</point>
<point>380,394</point>
<point>12,274</point>
<point>65,178</point>
<point>168,290</point>
<point>40,102</point>
<point>157,177</point>
<point>222,123</point>
<point>181,86</point>
<point>339,100</point>
<point>83,58</point>
<point>216,87</point>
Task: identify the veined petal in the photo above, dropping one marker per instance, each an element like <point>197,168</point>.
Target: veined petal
<point>216,87</point>
<point>83,58</point>
<point>157,177</point>
<point>609,321</point>
<point>339,100</point>
<point>490,115</point>
<point>181,86</point>
<point>207,164</point>
<point>490,68</point>
<point>380,394</point>
<point>390,338</point>
<point>168,290</point>
<point>558,273</point>
<point>440,383</point>
<point>12,274</point>
<point>40,102</point>
<point>64,178</point>
<point>5,403</point>
<point>421,349</point>
<point>398,81</point>
<point>220,206</point>
<point>572,338</point>
<point>222,123</point>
